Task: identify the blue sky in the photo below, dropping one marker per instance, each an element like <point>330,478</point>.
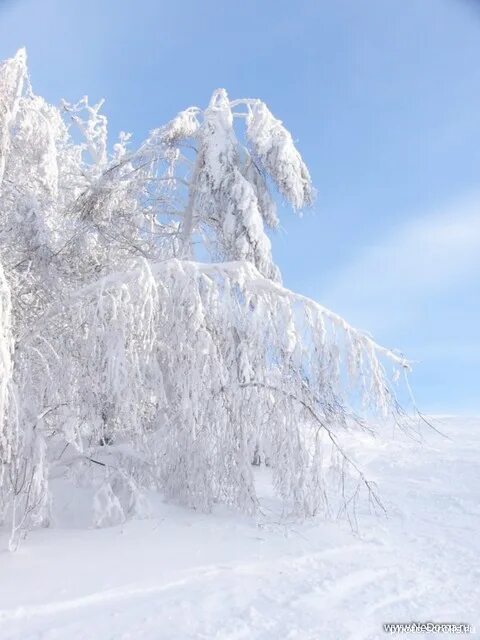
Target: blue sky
<point>383,97</point>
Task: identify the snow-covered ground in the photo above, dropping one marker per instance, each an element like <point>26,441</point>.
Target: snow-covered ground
<point>223,576</point>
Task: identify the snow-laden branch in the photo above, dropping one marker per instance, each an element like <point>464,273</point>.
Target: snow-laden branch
<point>241,272</point>
<point>247,273</point>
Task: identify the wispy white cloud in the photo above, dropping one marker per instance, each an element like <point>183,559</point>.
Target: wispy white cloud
<point>424,261</point>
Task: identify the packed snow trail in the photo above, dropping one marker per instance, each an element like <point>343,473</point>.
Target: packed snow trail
<point>192,576</point>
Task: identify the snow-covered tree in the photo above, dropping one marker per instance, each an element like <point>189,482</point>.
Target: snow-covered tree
<point>145,339</point>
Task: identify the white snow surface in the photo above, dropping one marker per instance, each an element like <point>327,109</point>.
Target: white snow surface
<point>185,575</point>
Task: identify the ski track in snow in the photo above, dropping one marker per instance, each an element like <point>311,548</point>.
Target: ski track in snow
<point>186,576</point>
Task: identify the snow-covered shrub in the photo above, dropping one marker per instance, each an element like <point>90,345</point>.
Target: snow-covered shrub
<point>129,363</point>
<point>106,507</point>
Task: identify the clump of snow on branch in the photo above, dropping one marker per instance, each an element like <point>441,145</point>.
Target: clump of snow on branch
<point>184,126</point>
<point>129,364</point>
<point>272,144</point>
